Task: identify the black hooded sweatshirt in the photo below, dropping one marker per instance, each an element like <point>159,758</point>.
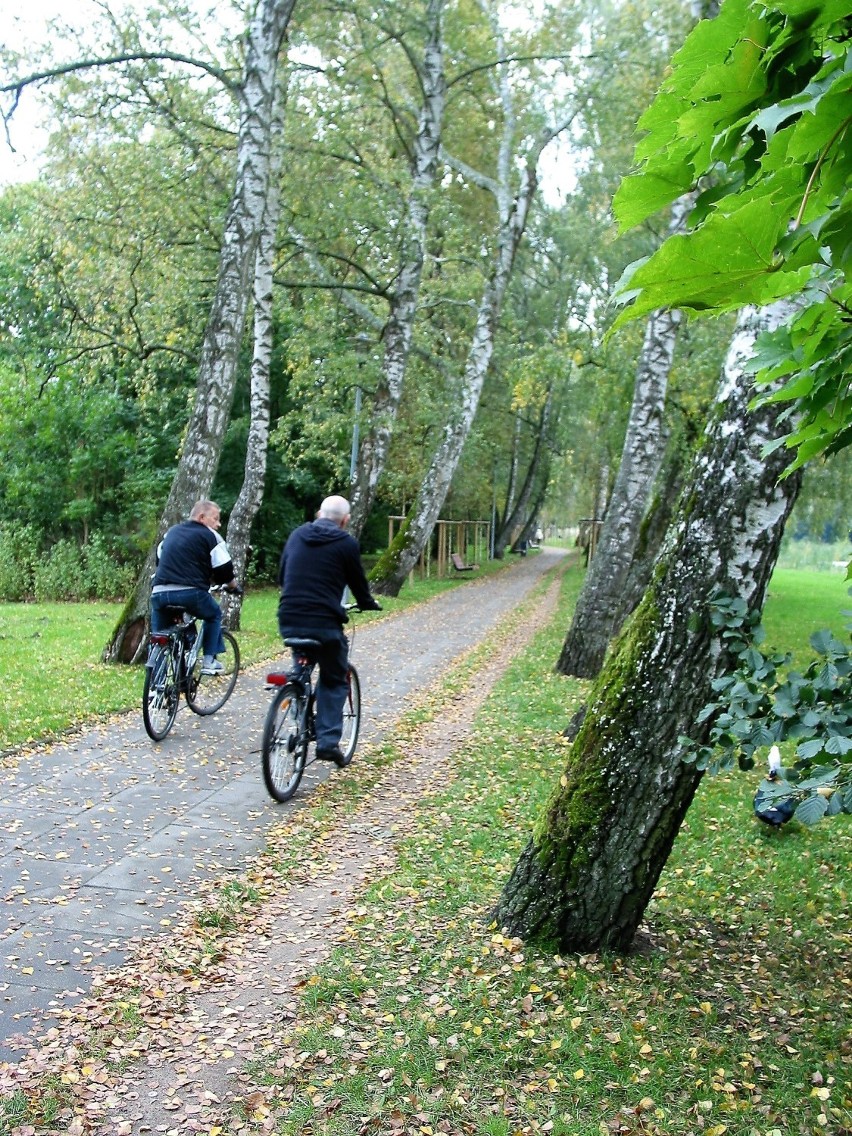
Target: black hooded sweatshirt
<point>320,560</point>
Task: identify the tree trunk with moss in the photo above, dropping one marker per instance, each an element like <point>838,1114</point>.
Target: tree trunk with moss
<point>587,874</point>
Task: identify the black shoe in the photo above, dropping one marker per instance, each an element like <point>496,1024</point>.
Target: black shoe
<point>334,754</point>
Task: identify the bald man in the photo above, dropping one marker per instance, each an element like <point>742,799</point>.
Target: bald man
<point>320,560</point>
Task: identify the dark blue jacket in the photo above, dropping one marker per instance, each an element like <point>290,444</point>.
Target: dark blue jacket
<point>319,561</point>
<point>192,556</point>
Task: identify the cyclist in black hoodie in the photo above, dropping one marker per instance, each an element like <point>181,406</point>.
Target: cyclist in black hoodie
<point>320,560</point>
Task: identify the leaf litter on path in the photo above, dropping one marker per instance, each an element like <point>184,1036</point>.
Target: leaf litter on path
<point>166,1043</point>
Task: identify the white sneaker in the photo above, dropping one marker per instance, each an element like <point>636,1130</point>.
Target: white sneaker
<point>211,665</point>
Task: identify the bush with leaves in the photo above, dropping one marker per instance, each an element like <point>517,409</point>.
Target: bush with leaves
<point>762,701</point>
<point>20,552</point>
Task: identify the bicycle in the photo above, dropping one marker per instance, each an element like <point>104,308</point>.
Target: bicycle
<point>174,667</point>
<point>289,728</point>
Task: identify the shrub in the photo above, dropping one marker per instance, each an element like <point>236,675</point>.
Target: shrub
<point>108,576</point>
<point>20,552</point>
<point>60,574</point>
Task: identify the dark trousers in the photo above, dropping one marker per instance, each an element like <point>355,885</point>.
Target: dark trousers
<point>198,602</point>
<point>332,685</point>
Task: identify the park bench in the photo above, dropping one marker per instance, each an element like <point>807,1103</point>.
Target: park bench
<point>460,565</point>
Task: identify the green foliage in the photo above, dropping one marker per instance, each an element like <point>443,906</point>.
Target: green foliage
<point>755,112</point>
<point>762,701</point>
<point>20,550</point>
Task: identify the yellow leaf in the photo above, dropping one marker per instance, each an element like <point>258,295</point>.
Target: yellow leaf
<point>556,1043</point>
<point>579,1074</point>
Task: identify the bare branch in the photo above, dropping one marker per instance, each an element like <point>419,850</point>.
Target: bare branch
<point>17,85</point>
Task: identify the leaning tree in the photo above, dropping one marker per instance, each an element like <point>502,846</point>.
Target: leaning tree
<point>774,227</point>
<point>591,865</point>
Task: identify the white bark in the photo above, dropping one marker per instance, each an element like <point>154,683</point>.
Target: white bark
<point>599,609</point>
<point>512,211</point>
<point>520,512</point>
<point>399,328</point>
<point>220,348</point>
<point>202,444</point>
<point>586,877</point>
<point>251,492</point>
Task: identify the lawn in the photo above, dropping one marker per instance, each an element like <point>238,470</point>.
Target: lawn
<point>54,679</point>
<point>733,1019</point>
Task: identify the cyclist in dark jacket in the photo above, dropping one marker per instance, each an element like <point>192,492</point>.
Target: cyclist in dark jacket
<point>319,561</point>
<point>190,558</point>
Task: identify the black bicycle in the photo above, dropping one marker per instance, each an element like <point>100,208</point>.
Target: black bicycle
<point>175,667</point>
<point>289,729</point>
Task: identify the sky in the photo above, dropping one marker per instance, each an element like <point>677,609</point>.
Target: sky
<point>21,21</point>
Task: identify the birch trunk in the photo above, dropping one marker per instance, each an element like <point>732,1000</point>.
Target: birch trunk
<point>254,478</point>
<point>512,211</point>
<point>596,616</point>
<point>587,874</point>
<point>520,513</point>
<point>399,328</point>
<point>214,392</point>
<point>499,549</point>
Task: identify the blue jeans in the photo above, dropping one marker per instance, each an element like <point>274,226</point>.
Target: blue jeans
<point>333,683</point>
<point>197,602</point>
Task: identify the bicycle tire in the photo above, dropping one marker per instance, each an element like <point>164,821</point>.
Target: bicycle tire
<point>285,742</point>
<point>160,695</point>
<point>351,719</point>
<point>205,694</point>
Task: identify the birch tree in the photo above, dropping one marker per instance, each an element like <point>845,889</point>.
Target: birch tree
<point>251,492</point>
<point>218,366</point>
<point>596,616</point>
<point>591,865</point>
<point>399,327</point>
<point>513,203</point>
<point>588,872</point>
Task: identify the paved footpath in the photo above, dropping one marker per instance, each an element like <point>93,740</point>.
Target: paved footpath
<point>104,837</point>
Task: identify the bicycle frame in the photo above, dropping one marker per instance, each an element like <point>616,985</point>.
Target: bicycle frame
<point>290,725</point>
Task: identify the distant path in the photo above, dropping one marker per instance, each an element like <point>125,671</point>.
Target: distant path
<point>103,838</point>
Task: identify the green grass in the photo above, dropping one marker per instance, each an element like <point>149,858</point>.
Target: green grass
<point>800,602</point>
<point>54,679</point>
<point>734,1021</point>
<point>816,556</point>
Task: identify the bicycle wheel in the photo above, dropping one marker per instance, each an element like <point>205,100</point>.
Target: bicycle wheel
<point>207,693</point>
<point>285,742</point>
<point>160,694</point>
<point>351,718</point>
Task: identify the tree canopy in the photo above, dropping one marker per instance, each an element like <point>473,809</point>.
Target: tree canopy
<point>756,113</point>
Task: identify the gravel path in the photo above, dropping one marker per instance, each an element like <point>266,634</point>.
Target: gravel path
<point>105,837</point>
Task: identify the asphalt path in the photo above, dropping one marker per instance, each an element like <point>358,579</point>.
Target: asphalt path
<point>104,837</point>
